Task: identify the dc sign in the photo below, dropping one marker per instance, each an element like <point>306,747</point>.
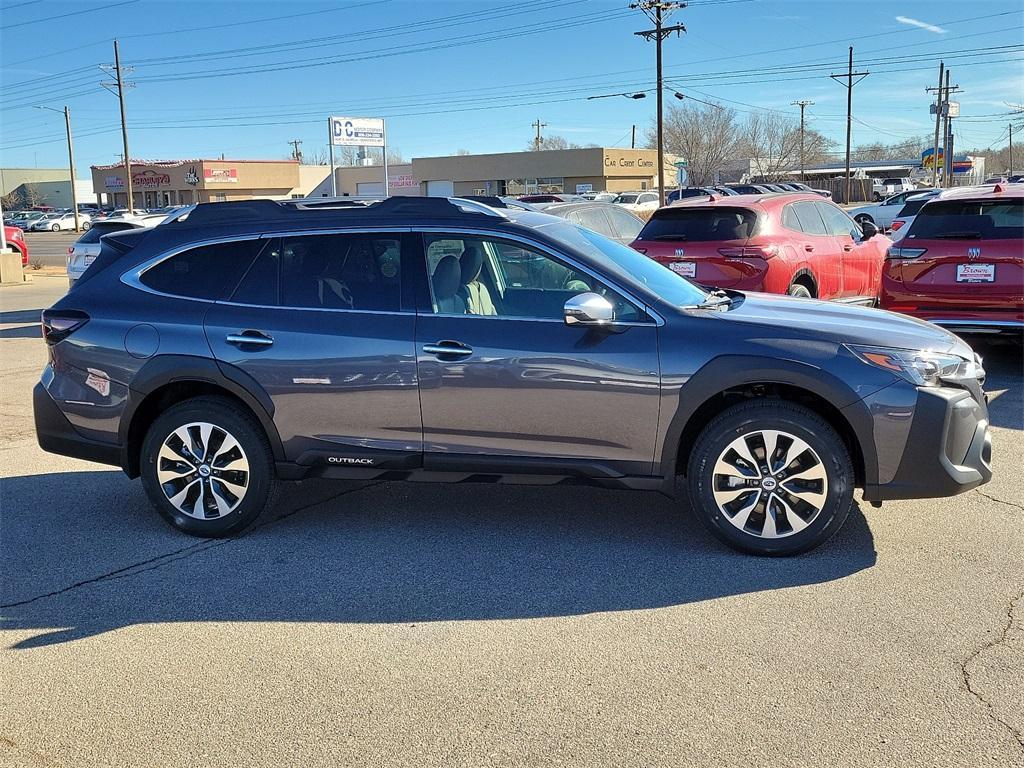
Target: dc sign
<point>357,131</point>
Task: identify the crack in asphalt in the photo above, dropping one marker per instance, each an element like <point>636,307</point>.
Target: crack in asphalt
<point>999,501</point>
<point>966,674</point>
<point>158,561</point>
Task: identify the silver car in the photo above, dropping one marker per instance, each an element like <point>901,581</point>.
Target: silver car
<point>87,247</point>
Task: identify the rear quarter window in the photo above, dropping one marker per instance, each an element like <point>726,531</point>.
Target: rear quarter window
<point>698,225</point>
<point>205,272</point>
<point>970,220</point>
<point>98,230</point>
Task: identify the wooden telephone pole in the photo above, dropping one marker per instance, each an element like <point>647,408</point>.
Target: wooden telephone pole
<point>848,77</point>
<point>802,104</point>
<point>658,11</point>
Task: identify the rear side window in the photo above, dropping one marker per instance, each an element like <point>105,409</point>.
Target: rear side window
<point>592,218</point>
<point>790,220</point>
<point>626,224</point>
<point>342,271</point>
<point>206,272</point>
<point>970,220</point>
<point>100,229</point>
<point>700,225</point>
<point>911,208</point>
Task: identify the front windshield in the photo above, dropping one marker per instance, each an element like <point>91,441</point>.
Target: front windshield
<point>624,264</point>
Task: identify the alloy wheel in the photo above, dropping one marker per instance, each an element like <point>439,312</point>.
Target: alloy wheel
<point>203,470</point>
<point>769,483</point>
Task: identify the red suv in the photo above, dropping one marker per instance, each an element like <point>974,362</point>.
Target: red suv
<point>798,244</point>
<point>961,262</point>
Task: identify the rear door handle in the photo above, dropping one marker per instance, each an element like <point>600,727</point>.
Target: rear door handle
<point>456,348</point>
<point>249,336</point>
<point>808,247</point>
<point>847,248</point>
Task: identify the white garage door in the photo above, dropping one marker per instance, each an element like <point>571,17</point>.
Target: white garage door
<point>440,189</point>
<point>370,188</point>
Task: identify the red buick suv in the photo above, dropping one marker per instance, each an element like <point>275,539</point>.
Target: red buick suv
<point>961,262</point>
<point>796,244</point>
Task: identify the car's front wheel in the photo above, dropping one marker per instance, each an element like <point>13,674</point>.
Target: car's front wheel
<point>207,467</point>
<point>770,477</point>
<point>55,228</point>
<point>85,226</point>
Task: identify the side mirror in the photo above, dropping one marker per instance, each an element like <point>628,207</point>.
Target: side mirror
<point>589,309</point>
<point>868,230</point>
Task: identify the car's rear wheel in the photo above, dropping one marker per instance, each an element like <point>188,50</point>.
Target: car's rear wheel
<point>55,228</point>
<point>85,225</point>
<point>207,467</point>
<point>770,478</point>
<point>800,291</point>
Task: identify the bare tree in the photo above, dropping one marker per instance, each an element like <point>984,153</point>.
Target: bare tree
<point>352,156</point>
<point>462,151</point>
<point>772,141</point>
<point>900,150</point>
<point>706,136</point>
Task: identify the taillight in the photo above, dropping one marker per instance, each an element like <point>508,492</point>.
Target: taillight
<point>58,324</point>
<point>897,224</point>
<point>896,252</point>
<point>750,252</point>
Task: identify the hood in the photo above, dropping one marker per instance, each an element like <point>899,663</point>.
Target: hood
<point>844,323</point>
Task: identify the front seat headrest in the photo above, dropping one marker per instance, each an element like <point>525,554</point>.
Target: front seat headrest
<point>447,278</point>
<point>472,263</point>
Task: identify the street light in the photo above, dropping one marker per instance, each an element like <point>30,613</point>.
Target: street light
<point>71,160</point>
<point>637,95</point>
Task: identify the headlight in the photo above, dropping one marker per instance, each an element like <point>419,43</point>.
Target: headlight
<point>920,367</point>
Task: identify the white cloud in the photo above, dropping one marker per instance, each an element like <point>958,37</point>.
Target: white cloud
<point>921,25</point>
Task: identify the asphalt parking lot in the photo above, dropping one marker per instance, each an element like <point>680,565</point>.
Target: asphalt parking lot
<point>387,624</point>
<point>49,249</point>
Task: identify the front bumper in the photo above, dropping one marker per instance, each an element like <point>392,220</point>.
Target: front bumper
<point>948,448</point>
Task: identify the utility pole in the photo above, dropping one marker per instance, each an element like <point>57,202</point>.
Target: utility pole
<point>296,152</point>
<point>658,11</point>
<point>938,121</point>
<point>71,161</point>
<point>802,104</point>
<point>850,74</point>
<point>632,143</point>
<point>947,135</point>
<point>1010,169</point>
<point>121,85</point>
<point>538,125</point>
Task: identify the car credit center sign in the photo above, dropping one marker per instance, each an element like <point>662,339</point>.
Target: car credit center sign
<point>357,131</point>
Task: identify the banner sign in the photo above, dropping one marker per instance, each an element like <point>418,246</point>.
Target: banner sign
<point>220,175</point>
<point>357,131</point>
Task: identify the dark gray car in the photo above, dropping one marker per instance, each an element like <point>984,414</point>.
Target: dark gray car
<point>241,344</point>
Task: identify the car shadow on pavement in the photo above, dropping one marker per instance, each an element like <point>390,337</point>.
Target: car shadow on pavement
<point>85,554</point>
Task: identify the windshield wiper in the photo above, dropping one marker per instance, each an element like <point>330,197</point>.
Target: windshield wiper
<point>963,234</point>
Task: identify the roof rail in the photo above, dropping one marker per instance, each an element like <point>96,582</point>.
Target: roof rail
<point>220,213</point>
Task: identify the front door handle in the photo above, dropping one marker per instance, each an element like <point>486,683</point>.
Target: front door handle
<point>808,247</point>
<point>441,348</point>
<point>249,336</point>
<point>847,248</point>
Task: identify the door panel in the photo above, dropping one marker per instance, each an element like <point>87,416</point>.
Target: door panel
<point>821,251</point>
<point>861,263</point>
<point>536,388</point>
<point>520,384</point>
<point>331,346</point>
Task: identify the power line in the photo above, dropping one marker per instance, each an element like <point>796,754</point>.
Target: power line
<point>72,13</point>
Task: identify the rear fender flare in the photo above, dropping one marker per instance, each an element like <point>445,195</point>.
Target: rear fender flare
<point>169,369</point>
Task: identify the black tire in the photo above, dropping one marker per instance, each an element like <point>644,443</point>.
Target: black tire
<point>261,484</point>
<point>55,228</point>
<point>796,421</point>
<point>85,226</point>
<point>800,291</point>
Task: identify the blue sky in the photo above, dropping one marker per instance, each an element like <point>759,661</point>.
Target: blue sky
<point>475,74</point>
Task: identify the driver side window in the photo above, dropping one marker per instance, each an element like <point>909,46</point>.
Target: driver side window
<point>491,277</point>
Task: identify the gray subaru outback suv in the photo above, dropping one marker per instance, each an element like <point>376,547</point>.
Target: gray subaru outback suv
<point>239,345</point>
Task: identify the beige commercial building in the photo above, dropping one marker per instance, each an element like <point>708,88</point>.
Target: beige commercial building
<point>182,182</point>
<point>512,173</point>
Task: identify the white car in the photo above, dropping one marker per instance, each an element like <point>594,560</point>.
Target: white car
<point>905,217</point>
<point>599,197</point>
<point>637,201</point>
<point>887,187</point>
<point>882,214</point>
<point>55,222</point>
<point>87,247</point>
